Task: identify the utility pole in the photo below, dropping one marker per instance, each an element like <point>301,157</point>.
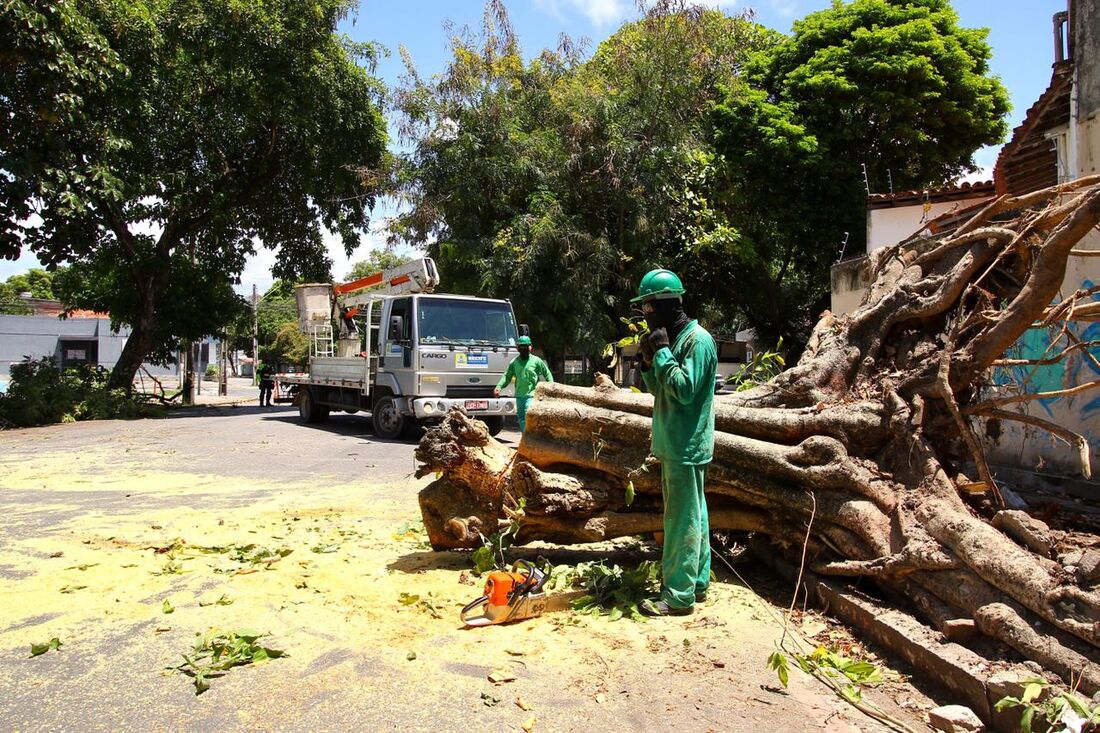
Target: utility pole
<point>255,334</point>
<point>223,385</point>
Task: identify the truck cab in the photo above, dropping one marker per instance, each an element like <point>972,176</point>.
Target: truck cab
<point>389,345</point>
<point>443,351</point>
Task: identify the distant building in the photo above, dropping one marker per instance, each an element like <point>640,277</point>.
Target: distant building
<point>84,337</point>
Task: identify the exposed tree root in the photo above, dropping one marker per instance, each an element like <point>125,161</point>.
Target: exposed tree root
<point>870,433</point>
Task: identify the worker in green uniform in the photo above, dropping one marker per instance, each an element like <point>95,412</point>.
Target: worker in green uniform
<point>679,360</point>
<point>266,375</point>
<point>527,369</point>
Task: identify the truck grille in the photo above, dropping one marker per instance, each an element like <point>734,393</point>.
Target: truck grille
<point>464,392</point>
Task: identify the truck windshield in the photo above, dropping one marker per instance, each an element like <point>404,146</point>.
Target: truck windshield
<point>468,322</point>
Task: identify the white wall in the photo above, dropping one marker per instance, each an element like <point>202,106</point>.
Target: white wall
<point>893,225</point>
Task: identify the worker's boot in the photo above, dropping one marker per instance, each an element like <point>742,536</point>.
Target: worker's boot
<point>660,608</point>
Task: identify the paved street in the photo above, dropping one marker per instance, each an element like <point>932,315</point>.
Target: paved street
<point>103,523</point>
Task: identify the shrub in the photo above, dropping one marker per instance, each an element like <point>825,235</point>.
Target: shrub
<point>40,393</point>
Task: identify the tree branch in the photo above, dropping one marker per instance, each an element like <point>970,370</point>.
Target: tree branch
<point>1031,396</point>
<point>1048,272</point>
<point>1065,434</point>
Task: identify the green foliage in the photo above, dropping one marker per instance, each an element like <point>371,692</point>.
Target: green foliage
<point>614,591</point>
<point>1055,709</point>
<point>558,183</point>
<point>492,553</point>
<point>377,260</point>
<point>900,87</point>
<point>159,141</point>
<point>36,281</point>
<point>847,676</point>
<point>40,393</point>
<point>290,346</point>
<point>691,140</point>
<point>216,652</point>
<point>427,603</point>
<point>764,366</point>
<point>39,649</point>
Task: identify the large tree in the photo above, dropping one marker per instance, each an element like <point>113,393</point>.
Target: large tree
<point>897,87</point>
<point>155,143</point>
<point>557,183</point>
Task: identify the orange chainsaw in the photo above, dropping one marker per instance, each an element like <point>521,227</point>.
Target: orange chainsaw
<point>514,595</point>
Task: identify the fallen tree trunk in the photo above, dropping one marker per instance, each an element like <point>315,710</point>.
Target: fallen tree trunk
<point>864,445</point>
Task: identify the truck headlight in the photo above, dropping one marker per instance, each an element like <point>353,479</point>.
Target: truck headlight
<point>442,407</point>
<point>509,406</point>
<point>429,408</point>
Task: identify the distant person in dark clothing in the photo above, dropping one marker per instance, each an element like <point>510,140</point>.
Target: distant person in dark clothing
<point>267,382</point>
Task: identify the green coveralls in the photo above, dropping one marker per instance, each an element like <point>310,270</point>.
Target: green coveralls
<point>526,373</point>
<point>682,382</point>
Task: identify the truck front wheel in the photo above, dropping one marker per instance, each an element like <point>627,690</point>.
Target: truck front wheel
<point>389,423</point>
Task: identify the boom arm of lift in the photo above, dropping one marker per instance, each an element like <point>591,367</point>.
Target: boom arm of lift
<point>418,276</point>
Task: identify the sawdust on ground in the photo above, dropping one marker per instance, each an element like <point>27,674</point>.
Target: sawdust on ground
<point>349,574</point>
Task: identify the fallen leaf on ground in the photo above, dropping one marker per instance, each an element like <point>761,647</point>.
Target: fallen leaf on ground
<point>523,704</point>
<point>499,676</point>
<point>529,724</point>
<point>600,697</point>
<point>488,700</point>
<point>37,649</point>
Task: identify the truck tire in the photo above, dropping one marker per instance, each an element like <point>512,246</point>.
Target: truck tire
<point>495,423</point>
<point>389,423</point>
<point>308,409</point>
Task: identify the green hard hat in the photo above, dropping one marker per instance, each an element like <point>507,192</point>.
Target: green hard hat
<point>523,341</point>
<point>659,284</point>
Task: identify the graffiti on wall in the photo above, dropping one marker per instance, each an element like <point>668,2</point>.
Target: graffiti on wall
<point>1075,369</point>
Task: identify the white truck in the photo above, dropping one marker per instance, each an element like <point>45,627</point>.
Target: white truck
<point>389,345</point>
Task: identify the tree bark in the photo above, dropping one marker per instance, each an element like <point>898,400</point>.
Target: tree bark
<point>864,447</point>
<point>138,342</point>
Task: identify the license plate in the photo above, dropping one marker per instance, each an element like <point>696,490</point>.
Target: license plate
<point>477,404</point>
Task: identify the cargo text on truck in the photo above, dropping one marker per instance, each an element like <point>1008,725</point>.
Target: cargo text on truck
<point>389,345</point>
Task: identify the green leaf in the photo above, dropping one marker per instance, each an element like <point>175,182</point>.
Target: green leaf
<point>1026,718</point>
<point>615,614</point>
<point>166,607</point>
<point>324,549</point>
<point>410,656</point>
<point>1005,703</point>
<point>37,649</point>
<point>629,493</point>
<point>1076,703</point>
<point>1031,692</point>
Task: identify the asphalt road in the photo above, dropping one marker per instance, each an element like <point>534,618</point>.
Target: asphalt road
<point>92,515</point>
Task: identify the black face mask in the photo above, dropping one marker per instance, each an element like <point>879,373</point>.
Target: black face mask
<point>524,351</point>
<point>668,314</point>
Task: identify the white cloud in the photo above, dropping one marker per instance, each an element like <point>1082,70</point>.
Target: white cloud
<point>602,12</point>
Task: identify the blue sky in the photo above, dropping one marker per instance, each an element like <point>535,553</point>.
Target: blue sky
<point>1020,35</point>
